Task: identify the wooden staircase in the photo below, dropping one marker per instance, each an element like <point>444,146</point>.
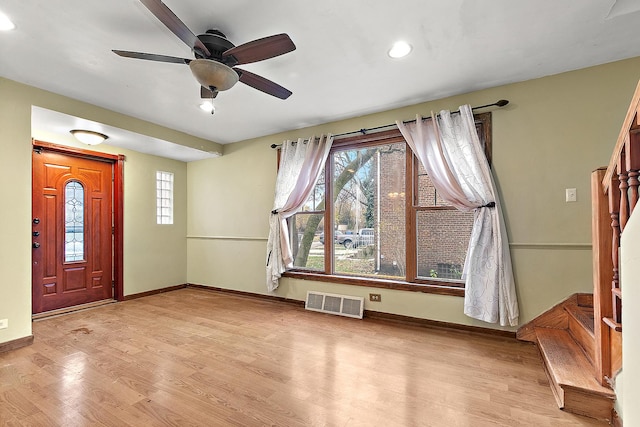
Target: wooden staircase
<point>565,336</point>
<point>580,339</point>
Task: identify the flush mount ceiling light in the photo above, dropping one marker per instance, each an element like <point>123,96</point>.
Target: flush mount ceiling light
<point>400,49</point>
<point>5,23</point>
<point>88,137</point>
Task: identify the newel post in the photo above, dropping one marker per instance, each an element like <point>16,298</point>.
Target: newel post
<point>601,237</point>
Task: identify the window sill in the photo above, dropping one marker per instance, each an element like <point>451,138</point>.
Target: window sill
<point>428,288</point>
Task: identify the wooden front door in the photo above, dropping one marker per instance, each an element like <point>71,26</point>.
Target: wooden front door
<point>72,230</point>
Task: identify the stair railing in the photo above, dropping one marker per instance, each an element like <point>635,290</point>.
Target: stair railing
<point>614,197</point>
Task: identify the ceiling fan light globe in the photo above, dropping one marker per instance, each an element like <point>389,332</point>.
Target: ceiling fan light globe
<point>207,106</point>
<point>213,74</point>
<point>400,49</point>
<point>5,23</point>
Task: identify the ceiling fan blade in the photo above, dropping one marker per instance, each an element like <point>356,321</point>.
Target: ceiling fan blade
<point>151,57</point>
<point>262,84</point>
<point>206,93</point>
<point>258,50</point>
<point>177,27</point>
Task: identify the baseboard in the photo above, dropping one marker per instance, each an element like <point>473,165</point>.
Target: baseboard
<point>417,321</point>
<point>395,318</point>
<point>16,344</point>
<point>66,310</point>
<point>153,292</point>
<point>556,317</point>
<point>247,294</point>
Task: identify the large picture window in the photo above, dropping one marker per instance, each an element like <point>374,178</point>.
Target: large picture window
<point>375,219</point>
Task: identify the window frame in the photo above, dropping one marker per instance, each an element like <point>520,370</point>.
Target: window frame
<point>160,178</point>
<point>83,255</point>
<point>412,282</point>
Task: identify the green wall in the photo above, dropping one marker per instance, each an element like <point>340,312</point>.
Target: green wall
<point>15,215</point>
<point>155,256</point>
<point>554,132</point>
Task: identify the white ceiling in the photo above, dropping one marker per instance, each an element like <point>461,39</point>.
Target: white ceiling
<point>47,123</point>
<point>339,70</point>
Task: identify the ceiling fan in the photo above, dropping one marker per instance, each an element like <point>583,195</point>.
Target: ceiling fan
<point>214,66</point>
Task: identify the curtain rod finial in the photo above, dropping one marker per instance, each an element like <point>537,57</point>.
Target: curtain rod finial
<point>502,103</point>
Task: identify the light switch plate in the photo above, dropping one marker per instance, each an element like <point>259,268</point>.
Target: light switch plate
<point>570,195</point>
<point>4,323</point>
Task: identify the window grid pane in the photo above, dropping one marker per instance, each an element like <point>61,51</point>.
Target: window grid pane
<point>74,222</point>
<point>427,194</point>
<point>442,241</point>
<point>164,197</point>
<point>369,211</point>
<point>307,240</point>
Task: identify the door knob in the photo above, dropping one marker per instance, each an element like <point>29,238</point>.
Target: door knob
<point>36,245</point>
<point>36,220</point>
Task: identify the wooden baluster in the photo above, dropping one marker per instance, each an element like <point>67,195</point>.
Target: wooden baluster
<point>634,182</point>
<point>623,211</point>
<point>632,149</point>
<point>614,206</point>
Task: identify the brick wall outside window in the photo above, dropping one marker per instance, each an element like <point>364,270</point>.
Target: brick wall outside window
<point>443,234</point>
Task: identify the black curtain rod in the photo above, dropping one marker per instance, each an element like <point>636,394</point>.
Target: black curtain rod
<point>499,103</point>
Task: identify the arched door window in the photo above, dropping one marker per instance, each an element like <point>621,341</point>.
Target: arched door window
<point>74,221</point>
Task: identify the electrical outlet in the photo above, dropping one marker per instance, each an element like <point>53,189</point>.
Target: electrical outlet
<point>375,297</point>
<point>4,323</point>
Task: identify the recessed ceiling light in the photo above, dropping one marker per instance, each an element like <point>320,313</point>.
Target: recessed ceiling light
<point>208,107</point>
<point>400,49</point>
<point>5,23</point>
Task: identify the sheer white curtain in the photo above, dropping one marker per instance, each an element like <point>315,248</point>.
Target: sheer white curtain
<point>449,148</point>
<point>301,163</point>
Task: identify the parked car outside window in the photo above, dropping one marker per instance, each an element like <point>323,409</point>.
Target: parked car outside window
<point>364,237</point>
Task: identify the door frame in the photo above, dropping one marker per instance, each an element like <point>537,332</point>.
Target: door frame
<point>117,165</point>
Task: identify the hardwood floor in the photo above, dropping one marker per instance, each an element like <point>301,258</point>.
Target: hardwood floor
<point>193,357</point>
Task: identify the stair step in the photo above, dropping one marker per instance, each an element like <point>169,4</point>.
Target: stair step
<point>583,315</point>
<point>580,326</point>
<point>572,375</point>
<point>584,300</point>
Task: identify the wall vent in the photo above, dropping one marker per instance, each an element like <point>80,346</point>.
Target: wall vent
<point>341,305</point>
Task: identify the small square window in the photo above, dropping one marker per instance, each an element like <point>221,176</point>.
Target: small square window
<point>164,197</point>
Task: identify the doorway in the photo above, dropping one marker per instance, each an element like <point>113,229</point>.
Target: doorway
<point>76,227</point>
